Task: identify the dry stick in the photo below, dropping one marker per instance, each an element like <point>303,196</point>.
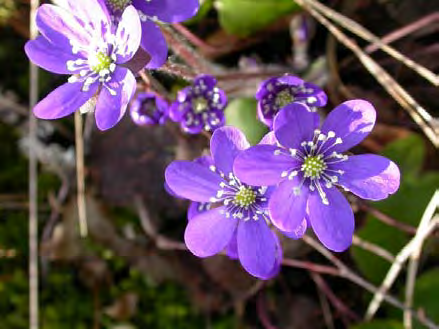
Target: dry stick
<point>373,248</point>
<point>414,259</point>
<point>406,30</point>
<point>362,32</point>
<point>326,310</point>
<point>338,304</point>
<point>33,185</point>
<point>418,113</point>
<point>80,175</point>
<point>348,274</point>
<point>423,232</point>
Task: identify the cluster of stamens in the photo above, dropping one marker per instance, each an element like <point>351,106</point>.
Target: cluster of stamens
<point>241,201</point>
<point>284,98</point>
<point>316,160</point>
<point>118,5</point>
<point>99,65</point>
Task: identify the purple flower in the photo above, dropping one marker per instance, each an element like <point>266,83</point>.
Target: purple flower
<point>275,93</point>
<point>149,109</point>
<point>93,51</point>
<point>238,219</point>
<point>151,11</point>
<point>308,164</point>
<point>200,107</point>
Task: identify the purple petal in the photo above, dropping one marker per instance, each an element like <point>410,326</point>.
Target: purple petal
<point>369,176</point>
<point>209,233</point>
<point>333,223</point>
<point>205,82</point>
<point>110,108</point>
<point>226,143</point>
<point>288,209</point>
<point>92,13</point>
<point>295,124</point>
<point>268,139</point>
<point>196,208</point>
<point>60,27</point>
<point>48,56</point>
<point>169,11</point>
<point>128,35</point>
<point>63,101</point>
<point>257,249</point>
<point>260,165</point>
<point>352,121</point>
<point>298,232</point>
<point>232,247</point>
<point>192,181</point>
<point>154,43</point>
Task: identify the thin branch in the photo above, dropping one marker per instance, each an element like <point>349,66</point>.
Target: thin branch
<point>416,111</point>
<point>326,310</point>
<point>373,248</point>
<point>414,260</point>
<point>80,175</point>
<point>33,184</point>
<point>425,228</point>
<point>362,32</point>
<point>348,274</point>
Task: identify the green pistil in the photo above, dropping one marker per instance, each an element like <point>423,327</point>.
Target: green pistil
<point>284,98</point>
<point>118,4</point>
<point>313,166</point>
<point>245,197</point>
<point>199,104</point>
<point>100,62</point>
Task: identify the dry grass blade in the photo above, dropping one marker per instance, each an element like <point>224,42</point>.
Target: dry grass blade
<point>414,261</point>
<point>347,273</point>
<point>416,111</point>
<point>362,32</point>
<point>33,185</point>
<point>80,174</point>
<point>425,228</point>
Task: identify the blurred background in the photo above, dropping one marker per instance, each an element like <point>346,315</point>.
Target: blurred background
<point>132,270</point>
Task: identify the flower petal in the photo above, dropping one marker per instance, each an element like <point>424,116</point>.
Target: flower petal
<point>352,121</point>
<point>295,124</point>
<point>369,176</point>
<point>232,247</point>
<point>332,223</point>
<point>110,108</point>
<point>63,101</point>
<point>169,11</point>
<point>260,165</point>
<point>209,232</point>
<point>154,43</point>
<point>288,210</point>
<point>226,143</point>
<point>128,35</point>
<point>268,139</point>
<point>48,56</point>
<point>192,181</point>
<point>196,208</point>
<point>298,232</point>
<point>92,13</point>
<point>257,248</point>
<point>60,27</point>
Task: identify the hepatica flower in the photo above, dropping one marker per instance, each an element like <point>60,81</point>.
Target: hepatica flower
<point>93,51</point>
<point>238,215</point>
<point>148,109</point>
<point>200,106</point>
<point>150,12</point>
<point>275,93</point>
<point>309,165</point>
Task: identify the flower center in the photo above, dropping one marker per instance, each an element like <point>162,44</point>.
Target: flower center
<point>99,62</point>
<point>199,104</point>
<point>118,4</point>
<point>284,98</point>
<point>245,197</point>
<point>313,166</point>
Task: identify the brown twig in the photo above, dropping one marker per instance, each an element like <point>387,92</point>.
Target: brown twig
<point>262,312</point>
<point>80,175</point>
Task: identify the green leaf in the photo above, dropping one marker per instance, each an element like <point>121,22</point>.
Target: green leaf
<point>244,17</point>
<point>410,163</point>
<point>380,324</point>
<point>407,206</point>
<point>241,113</point>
